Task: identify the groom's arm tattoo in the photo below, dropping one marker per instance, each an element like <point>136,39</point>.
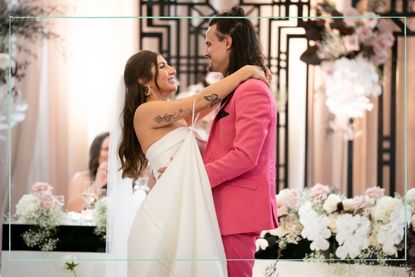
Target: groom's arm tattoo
<point>213,99</point>
<point>167,118</point>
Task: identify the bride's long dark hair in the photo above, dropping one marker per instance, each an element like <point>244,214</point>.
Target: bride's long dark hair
<point>138,68</point>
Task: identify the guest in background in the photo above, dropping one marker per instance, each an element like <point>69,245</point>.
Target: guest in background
<point>92,180</point>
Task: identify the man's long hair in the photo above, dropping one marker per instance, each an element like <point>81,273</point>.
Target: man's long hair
<point>246,47</point>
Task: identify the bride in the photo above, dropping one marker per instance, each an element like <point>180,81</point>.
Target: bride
<point>175,231</point>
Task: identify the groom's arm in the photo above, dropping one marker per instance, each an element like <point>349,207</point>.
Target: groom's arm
<point>253,116</point>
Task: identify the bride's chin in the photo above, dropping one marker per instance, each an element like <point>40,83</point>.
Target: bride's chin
<point>173,92</point>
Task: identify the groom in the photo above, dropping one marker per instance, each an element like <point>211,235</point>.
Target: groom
<point>241,150</point>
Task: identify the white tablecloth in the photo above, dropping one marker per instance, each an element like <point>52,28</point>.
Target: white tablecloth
<point>30,263</point>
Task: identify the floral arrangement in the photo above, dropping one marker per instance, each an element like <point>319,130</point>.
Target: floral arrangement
<point>43,210</point>
<point>349,51</point>
<point>331,227</point>
<point>101,217</point>
<point>25,32</point>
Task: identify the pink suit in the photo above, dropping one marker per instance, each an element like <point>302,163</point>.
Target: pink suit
<point>240,162</point>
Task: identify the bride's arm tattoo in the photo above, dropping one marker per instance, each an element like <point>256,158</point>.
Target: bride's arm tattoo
<point>213,99</point>
<point>167,118</point>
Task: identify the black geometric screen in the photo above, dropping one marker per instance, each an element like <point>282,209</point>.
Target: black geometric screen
<point>181,42</point>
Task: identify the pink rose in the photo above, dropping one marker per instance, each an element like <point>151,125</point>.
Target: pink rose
<point>386,38</point>
<point>362,203</point>
<point>48,200</point>
<point>41,188</point>
<point>319,192</point>
<point>375,193</point>
<point>384,25</point>
<point>288,197</point>
<point>381,55</point>
<point>348,205</point>
<point>365,35</point>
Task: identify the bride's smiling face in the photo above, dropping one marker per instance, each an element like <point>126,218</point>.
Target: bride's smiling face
<point>166,79</point>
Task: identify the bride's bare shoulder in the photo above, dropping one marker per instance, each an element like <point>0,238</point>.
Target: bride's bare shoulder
<point>148,107</point>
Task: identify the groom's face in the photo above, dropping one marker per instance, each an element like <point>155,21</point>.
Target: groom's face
<point>217,51</point>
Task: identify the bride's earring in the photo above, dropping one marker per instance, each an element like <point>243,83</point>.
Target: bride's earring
<point>148,92</point>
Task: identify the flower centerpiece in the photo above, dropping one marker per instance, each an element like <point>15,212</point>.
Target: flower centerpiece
<point>349,48</point>
<point>319,223</point>
<point>43,210</point>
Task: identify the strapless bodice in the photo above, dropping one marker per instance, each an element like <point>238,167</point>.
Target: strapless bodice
<point>160,153</point>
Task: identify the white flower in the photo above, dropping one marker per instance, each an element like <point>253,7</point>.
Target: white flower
<point>352,235</point>
<point>330,205</point>
<point>384,207</point>
<point>410,198</point>
<point>27,206</point>
<point>332,223</point>
<point>70,259</point>
<point>287,199</point>
<point>315,227</point>
<point>375,192</point>
<point>100,217</point>
<point>358,204</point>
<point>261,244</point>
<point>70,262</point>
<point>348,86</point>
<point>348,205</point>
<point>391,234</point>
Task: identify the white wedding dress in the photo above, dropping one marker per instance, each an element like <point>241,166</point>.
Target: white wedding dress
<point>175,231</point>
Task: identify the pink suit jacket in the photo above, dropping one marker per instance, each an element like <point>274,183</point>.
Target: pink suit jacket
<point>240,160</point>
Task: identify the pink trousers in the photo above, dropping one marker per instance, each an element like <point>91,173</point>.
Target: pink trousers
<point>240,253</point>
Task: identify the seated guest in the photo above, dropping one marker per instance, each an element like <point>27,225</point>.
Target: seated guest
<point>92,180</point>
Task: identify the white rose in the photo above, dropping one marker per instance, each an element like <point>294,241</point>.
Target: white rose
<point>27,206</point>
<point>261,244</point>
<point>348,205</point>
<point>330,205</point>
<point>332,223</point>
<point>384,207</point>
<point>410,197</point>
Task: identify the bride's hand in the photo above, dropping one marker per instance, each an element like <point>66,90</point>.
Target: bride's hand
<point>258,72</point>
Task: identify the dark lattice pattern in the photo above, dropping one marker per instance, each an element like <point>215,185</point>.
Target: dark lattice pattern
<point>181,41</point>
